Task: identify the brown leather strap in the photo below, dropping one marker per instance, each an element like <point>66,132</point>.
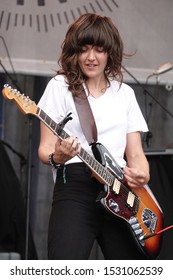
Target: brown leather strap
<point>86,117</point>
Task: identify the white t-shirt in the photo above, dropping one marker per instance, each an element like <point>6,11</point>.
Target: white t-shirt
<point>116,113</point>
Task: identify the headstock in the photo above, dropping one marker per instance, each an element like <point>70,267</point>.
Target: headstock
<point>24,103</point>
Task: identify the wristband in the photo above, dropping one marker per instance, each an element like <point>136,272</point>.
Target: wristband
<point>53,163</point>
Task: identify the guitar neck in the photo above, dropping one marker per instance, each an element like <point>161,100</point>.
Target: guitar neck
<point>98,169</point>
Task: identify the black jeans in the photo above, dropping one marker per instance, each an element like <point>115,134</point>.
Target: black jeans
<point>76,220</point>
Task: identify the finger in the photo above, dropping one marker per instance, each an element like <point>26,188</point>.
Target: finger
<point>67,143</point>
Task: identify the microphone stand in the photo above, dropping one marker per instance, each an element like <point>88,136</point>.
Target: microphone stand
<point>148,92</point>
<point>28,186</point>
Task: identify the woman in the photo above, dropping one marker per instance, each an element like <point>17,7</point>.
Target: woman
<point>91,58</point>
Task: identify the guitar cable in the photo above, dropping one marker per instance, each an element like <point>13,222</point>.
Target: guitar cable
<point>159,232</point>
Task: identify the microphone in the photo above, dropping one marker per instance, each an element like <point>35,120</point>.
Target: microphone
<point>163,69</point>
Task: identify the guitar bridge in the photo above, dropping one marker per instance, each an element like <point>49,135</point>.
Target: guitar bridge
<point>149,219</point>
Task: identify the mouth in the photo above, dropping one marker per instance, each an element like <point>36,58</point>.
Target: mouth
<point>91,65</point>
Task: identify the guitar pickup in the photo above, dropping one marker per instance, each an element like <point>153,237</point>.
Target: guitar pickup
<point>130,199</point>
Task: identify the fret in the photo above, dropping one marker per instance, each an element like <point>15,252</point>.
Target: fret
<point>99,168</point>
<point>41,114</point>
<point>44,117</point>
<point>82,151</point>
<point>87,157</point>
<point>101,171</point>
<point>47,120</point>
<point>96,166</point>
<point>62,133</point>
<point>53,124</point>
<point>92,162</point>
<point>109,178</point>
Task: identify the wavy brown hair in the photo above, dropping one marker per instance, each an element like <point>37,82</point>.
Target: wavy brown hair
<point>96,30</point>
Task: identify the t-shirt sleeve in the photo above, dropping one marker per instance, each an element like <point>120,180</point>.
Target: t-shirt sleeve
<point>136,120</point>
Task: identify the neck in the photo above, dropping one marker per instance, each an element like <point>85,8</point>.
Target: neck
<point>96,88</point>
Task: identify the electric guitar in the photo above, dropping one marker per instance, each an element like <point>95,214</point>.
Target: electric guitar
<point>136,206</point>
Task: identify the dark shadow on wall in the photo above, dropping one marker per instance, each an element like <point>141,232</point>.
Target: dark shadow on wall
<point>161,183</point>
<point>12,211</point>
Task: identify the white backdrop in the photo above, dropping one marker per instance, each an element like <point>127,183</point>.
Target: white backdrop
<point>33,31</point>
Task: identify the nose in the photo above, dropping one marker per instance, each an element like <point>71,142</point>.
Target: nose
<point>91,54</point>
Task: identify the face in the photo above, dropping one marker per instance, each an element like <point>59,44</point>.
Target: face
<point>92,61</point>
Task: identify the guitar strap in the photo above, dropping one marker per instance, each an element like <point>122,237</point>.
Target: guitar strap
<point>86,117</point>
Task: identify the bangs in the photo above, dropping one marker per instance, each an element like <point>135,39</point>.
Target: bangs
<point>95,34</point>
